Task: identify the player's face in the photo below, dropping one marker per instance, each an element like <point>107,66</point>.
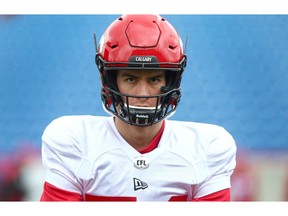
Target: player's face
<point>141,83</point>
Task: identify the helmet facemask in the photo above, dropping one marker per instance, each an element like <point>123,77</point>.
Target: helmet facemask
<point>165,106</point>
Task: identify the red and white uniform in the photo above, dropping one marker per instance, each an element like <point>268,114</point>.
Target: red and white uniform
<point>87,159</point>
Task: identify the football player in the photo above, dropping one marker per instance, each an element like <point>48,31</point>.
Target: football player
<point>137,153</point>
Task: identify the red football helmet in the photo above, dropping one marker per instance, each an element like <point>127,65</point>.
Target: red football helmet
<point>147,42</point>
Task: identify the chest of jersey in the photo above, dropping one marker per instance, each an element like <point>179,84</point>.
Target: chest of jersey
<point>158,175</point>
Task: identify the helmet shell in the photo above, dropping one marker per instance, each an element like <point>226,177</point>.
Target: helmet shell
<point>140,36</point>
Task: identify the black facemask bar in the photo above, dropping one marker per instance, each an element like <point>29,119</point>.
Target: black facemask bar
<point>113,66</point>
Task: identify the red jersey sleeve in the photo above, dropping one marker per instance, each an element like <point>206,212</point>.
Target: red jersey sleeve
<point>222,195</point>
<point>52,193</point>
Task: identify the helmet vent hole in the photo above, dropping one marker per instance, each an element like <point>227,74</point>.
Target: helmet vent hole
<point>171,47</point>
<point>114,46</point>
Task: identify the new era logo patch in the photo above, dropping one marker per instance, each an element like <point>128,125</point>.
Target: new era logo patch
<point>138,184</point>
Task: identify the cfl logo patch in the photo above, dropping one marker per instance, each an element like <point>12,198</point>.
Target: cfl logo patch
<point>141,163</point>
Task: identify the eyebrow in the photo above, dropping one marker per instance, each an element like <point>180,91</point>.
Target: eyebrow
<point>133,74</point>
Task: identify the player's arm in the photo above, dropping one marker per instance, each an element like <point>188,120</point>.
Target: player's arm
<point>221,161</point>
<point>61,156</point>
<point>52,193</point>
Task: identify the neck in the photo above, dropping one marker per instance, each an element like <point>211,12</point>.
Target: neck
<point>137,137</point>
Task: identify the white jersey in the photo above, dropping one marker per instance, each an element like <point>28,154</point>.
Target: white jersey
<point>87,155</point>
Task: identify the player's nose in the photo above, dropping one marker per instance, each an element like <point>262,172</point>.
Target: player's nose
<point>142,89</point>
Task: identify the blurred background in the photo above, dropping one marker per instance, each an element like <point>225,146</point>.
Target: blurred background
<point>237,77</point>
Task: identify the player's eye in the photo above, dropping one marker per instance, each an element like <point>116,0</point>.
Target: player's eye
<point>156,80</point>
<point>130,79</point>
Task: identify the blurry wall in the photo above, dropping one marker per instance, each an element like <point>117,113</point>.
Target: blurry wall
<point>236,77</point>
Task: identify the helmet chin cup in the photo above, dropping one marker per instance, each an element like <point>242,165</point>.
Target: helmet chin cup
<point>140,116</point>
